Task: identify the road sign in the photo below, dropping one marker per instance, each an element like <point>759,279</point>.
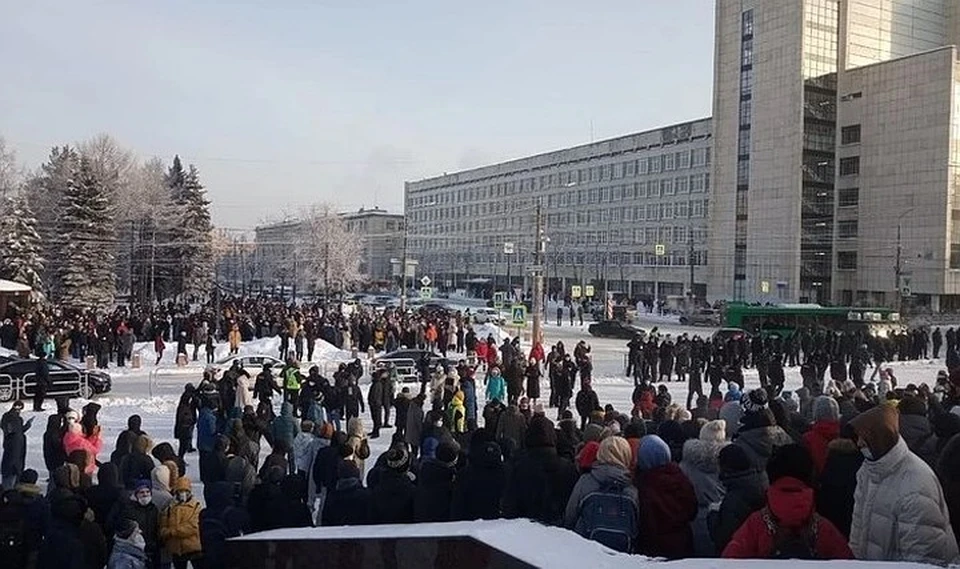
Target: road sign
<point>905,292</point>
<point>508,248</point>
<point>426,292</point>
<point>534,268</point>
<point>764,287</point>
<point>448,283</point>
<point>519,313</point>
<point>425,281</point>
<point>589,292</point>
<point>660,249</point>
<point>576,291</point>
<point>498,298</point>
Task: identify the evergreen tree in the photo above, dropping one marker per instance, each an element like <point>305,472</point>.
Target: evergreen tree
<point>191,237</point>
<point>20,257</point>
<point>44,194</point>
<point>86,263</point>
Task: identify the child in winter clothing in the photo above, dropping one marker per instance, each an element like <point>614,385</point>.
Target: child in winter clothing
<point>496,386</point>
<point>128,547</point>
<point>180,525</point>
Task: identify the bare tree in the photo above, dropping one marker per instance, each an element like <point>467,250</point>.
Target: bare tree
<point>327,254</point>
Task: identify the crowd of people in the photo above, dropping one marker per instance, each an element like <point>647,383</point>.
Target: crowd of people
<point>841,468</point>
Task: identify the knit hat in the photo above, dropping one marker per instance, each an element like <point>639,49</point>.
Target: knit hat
<point>755,401</point>
<point>429,447</point>
<point>397,459</point>
<point>652,453</point>
<point>879,427</point>
<point>142,485</point>
<point>326,431</point>
<point>448,452</point>
<point>733,392</point>
<point>714,431</point>
<point>29,476</point>
<point>182,484</point>
<point>588,455</point>
<point>791,460</point>
<point>733,458</point>
<point>595,432</point>
<point>306,426</point>
<point>825,408</point>
<point>125,528</point>
<point>615,450</point>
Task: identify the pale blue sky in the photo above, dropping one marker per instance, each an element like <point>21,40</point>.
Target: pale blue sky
<point>285,103</point>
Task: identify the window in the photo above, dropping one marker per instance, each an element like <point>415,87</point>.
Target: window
<point>666,186</point>
<point>617,171</point>
<point>850,166</point>
<point>746,114</point>
<point>618,193</point>
<point>641,190</point>
<point>630,191</point>
<point>615,215</point>
<point>955,255</point>
<point>746,82</point>
<point>655,164</point>
<point>847,260</point>
<point>639,213</point>
<point>850,134</point>
<point>682,184</point>
<point>746,53</point>
<point>666,210</point>
<point>696,209</point>
<point>643,166</point>
<point>847,229</point>
<point>606,172</point>
<point>696,183</point>
<point>746,24</point>
<point>630,169</point>
<point>743,145</point>
<point>668,162</point>
<point>682,210</point>
<point>653,212</point>
<point>683,160</point>
<point>653,189</point>
<point>699,157</point>
<point>848,197</point>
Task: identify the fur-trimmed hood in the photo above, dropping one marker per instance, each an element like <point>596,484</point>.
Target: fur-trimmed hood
<point>702,455</point>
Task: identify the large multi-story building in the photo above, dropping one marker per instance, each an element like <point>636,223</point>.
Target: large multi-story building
<point>837,148</point>
<point>628,214</point>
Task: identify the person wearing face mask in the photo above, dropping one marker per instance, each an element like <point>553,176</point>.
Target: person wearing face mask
<point>141,509</point>
<point>128,547</point>
<point>899,510</point>
<point>180,525</point>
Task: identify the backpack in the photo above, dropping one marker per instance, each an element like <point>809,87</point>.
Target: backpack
<point>609,517</point>
<point>791,545</point>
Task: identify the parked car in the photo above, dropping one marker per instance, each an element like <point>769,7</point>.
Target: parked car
<point>252,363</point>
<point>18,380</point>
<point>701,317</point>
<point>614,329</point>
<point>405,362</point>
<point>725,334</point>
<point>488,316</point>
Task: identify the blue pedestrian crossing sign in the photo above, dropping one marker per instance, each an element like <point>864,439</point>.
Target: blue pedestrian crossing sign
<point>519,313</point>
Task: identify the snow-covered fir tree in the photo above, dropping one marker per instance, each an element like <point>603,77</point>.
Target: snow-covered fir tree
<point>86,263</point>
<point>191,236</point>
<point>44,194</point>
<point>20,247</point>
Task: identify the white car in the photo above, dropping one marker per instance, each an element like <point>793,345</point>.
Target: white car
<point>488,316</point>
<point>252,363</point>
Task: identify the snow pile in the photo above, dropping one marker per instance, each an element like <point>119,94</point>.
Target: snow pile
<point>9,353</point>
<point>499,334</point>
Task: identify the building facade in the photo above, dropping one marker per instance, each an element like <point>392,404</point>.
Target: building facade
<point>627,214</point>
<point>382,234</point>
<point>796,81</point>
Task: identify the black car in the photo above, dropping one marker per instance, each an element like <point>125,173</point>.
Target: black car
<point>18,380</point>
<point>406,361</point>
<point>724,334</point>
<point>614,329</point>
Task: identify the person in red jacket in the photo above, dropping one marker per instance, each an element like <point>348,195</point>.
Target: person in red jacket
<point>788,526</point>
<point>826,427</point>
<point>667,502</point>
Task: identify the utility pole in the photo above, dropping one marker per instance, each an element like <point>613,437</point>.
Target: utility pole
<point>403,272</point>
<point>898,272</point>
<point>153,264</point>
<point>538,277</point>
<point>690,255</point>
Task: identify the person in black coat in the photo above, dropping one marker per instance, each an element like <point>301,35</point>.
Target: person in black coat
<point>186,420</point>
<point>541,481</point>
<point>274,504</point>
<point>375,401</point>
<point>349,503</point>
<point>126,439</point>
<point>14,444</point>
<point>948,470</point>
<point>838,481</point>
<point>141,509</point>
<point>392,495</point>
<point>42,381</point>
<point>54,454</point>
<point>434,494</point>
<point>222,519</point>
<point>106,495</point>
<point>62,547</point>
<point>745,492</point>
<point>326,462</point>
<point>479,488</point>
<point>137,465</point>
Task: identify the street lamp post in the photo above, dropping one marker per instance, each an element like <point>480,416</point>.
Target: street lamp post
<point>898,265</point>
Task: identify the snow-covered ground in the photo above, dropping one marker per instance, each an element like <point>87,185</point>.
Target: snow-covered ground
<point>153,392</point>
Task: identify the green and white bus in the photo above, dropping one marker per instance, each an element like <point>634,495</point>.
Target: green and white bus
<point>785,320</point>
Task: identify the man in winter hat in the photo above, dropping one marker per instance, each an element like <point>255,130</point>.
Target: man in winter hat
<point>826,427</point>
<point>899,511</point>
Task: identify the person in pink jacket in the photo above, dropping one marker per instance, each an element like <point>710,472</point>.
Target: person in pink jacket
<point>75,440</point>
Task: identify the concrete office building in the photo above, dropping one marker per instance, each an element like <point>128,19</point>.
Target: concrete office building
<point>835,122</point>
<point>606,207</point>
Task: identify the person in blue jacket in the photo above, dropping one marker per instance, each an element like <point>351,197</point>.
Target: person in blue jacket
<point>496,386</point>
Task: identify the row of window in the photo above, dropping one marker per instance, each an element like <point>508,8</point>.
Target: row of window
<point>665,235</point>
<point>669,162</point>
<point>609,258</point>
